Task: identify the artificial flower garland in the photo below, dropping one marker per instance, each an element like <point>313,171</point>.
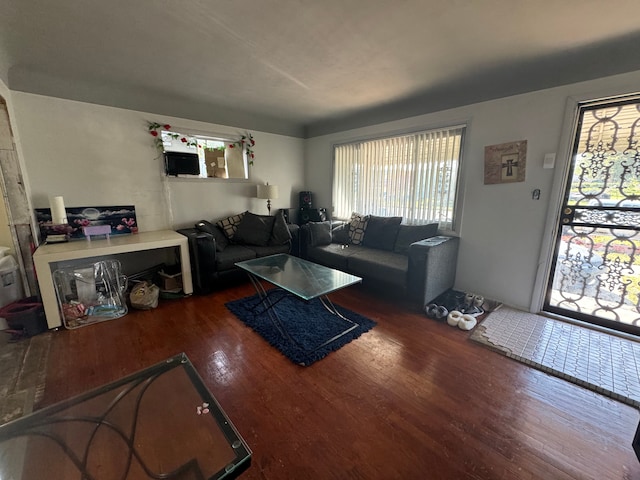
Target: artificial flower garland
<point>246,142</point>
<point>155,130</point>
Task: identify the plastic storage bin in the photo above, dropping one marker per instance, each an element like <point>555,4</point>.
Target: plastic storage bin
<point>10,281</point>
<point>91,293</point>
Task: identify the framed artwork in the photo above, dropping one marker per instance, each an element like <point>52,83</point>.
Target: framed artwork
<point>505,163</point>
<point>121,220</point>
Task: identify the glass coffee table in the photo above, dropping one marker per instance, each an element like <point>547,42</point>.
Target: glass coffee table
<point>161,422</point>
<point>301,278</point>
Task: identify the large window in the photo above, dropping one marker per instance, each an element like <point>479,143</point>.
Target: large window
<point>412,176</point>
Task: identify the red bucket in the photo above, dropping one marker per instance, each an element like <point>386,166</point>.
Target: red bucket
<point>26,314</point>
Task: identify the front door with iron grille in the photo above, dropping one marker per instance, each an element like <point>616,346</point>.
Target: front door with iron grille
<point>596,272</point>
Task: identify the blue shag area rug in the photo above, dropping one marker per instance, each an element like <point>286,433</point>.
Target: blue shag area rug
<point>308,324</point>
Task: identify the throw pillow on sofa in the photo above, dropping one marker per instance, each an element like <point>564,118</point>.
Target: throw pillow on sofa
<point>357,227</point>
<point>381,232</point>
<point>319,233</point>
<point>280,233</point>
<point>408,234</point>
<point>230,224</point>
<point>216,232</point>
<point>254,230</point>
<point>340,234</point>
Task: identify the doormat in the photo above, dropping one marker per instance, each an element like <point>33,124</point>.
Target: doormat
<point>309,326</point>
<point>601,362</point>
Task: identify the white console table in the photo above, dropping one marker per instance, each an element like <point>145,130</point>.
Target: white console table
<point>49,254</point>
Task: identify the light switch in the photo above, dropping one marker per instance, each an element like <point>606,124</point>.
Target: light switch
<point>549,160</point>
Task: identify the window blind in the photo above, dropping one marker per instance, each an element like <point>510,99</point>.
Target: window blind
<point>413,176</point>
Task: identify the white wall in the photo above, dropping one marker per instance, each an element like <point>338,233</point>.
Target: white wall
<point>502,229</point>
<point>97,155</point>
<point>278,161</point>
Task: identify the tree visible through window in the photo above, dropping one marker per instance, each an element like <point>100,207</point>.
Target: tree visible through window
<point>413,176</point>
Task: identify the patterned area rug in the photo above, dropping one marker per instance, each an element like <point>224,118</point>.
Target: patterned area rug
<point>23,369</point>
<point>605,363</point>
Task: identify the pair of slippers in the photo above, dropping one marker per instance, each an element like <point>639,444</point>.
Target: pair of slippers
<point>471,299</point>
<point>461,320</point>
<point>454,318</point>
<point>436,311</point>
<point>472,305</point>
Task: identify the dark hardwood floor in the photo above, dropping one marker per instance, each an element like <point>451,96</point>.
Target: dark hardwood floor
<point>412,398</point>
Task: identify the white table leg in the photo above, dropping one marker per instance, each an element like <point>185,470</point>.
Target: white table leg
<point>185,264</point>
<point>48,293</point>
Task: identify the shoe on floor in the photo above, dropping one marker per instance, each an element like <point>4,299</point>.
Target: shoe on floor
<point>467,322</point>
<point>454,318</point>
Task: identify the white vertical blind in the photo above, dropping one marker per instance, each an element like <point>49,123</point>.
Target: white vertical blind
<point>412,176</point>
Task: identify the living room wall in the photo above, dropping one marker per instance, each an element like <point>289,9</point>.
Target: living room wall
<point>504,236</point>
<point>97,155</point>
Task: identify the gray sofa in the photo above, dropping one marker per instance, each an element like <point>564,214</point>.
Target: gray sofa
<point>409,259</point>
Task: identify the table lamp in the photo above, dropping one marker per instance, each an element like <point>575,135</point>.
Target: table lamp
<point>268,192</point>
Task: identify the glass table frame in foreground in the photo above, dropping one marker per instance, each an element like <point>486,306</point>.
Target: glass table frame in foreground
<point>161,422</point>
<point>301,278</point>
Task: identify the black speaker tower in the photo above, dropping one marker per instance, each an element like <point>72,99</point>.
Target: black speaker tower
<point>305,200</point>
<point>306,212</point>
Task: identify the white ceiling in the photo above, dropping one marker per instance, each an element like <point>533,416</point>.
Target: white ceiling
<point>308,67</point>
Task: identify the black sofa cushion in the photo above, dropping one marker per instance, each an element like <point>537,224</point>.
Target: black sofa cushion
<point>280,233</point>
<point>340,234</point>
<point>380,265</point>
<point>319,233</point>
<point>233,253</point>
<point>408,234</point>
<point>381,232</point>
<point>254,230</point>
<point>268,250</point>
<point>333,255</point>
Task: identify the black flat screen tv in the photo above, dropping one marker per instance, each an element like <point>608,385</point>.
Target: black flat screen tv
<point>180,163</point>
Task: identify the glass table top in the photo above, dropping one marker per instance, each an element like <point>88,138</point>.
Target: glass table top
<point>161,422</point>
<point>300,277</point>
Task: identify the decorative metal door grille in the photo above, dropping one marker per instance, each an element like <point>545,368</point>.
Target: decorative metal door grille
<point>596,274</point>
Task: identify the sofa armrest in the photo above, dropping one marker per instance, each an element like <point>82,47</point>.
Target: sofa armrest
<point>432,267</point>
<point>200,241</point>
<point>202,253</point>
<point>294,245</point>
<point>304,239</point>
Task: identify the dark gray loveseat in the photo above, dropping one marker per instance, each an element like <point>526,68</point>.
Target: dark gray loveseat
<point>410,259</point>
<point>216,247</point>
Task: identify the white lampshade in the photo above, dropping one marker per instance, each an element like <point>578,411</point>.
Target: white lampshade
<point>267,191</point>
